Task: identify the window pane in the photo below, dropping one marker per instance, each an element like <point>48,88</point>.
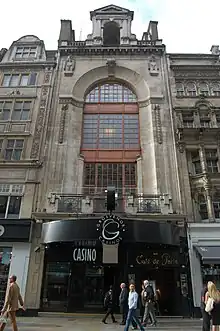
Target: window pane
<point>19,143</point>
<point>25,115</point>
<point>14,80</point>
<point>32,78</point>
<point>17,154</point>
<point>3,205</point>
<point>6,80</point>
<point>27,105</point>
<point>14,207</point>
<point>111,93</point>
<point>8,154</point>
<point>10,143</point>
<point>24,80</point>
<point>16,115</point>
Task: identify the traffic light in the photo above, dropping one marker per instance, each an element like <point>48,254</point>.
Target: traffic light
<point>110,198</point>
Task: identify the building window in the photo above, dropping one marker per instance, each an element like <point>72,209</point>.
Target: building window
<point>216,90</point>
<point>216,204</point>
<point>111,131</point>
<point>14,148</point>
<point>180,91</point>
<point>191,90</point>
<point>111,93</point>
<point>97,176</point>
<point>212,160</point>
<point>10,200</point>
<point>15,111</point>
<point>25,52</point>
<point>188,120</point>
<point>203,207</point>
<point>196,163</point>
<point>19,79</point>
<point>204,89</point>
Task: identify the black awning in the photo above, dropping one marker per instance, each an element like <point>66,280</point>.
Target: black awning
<point>209,254</point>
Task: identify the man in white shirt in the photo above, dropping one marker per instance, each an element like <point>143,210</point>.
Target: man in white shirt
<point>132,306</point>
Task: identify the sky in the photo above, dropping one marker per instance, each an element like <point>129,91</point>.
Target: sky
<point>186,26</point>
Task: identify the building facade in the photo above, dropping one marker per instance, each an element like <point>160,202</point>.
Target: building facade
<point>111,110</point>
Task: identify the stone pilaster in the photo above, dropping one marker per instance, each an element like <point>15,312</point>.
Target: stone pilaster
<point>139,176</point>
<point>149,173</point>
<point>210,208</point>
<point>80,173</point>
<point>35,272</point>
<point>202,157</point>
<point>73,143</point>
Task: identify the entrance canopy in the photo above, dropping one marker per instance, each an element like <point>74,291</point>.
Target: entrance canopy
<point>209,254</point>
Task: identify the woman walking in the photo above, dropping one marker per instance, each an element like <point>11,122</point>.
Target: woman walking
<point>212,301</point>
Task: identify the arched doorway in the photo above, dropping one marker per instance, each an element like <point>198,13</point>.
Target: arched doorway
<point>110,142</point>
<point>111,34</point>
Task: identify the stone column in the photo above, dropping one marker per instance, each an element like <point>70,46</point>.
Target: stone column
<point>210,208</point>
<point>202,157</point>
<point>80,174</point>
<point>139,176</point>
<point>73,137</point>
<point>124,30</point>
<point>149,173</point>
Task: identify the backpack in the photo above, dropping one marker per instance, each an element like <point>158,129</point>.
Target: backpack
<point>106,299</point>
<point>148,294</point>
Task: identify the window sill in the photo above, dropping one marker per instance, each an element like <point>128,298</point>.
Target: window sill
<point>21,163</point>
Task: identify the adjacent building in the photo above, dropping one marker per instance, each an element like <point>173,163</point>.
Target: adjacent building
<point>111,110</point>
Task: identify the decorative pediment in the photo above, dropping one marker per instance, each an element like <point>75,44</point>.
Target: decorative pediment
<point>111,10</point>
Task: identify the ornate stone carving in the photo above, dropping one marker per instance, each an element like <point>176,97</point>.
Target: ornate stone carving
<point>64,108</point>
<point>144,103</point>
<point>71,101</point>
<point>158,124</point>
<point>69,66</point>
<point>39,123</point>
<point>47,75</point>
<point>14,93</point>
<point>111,64</point>
<point>180,141</point>
<point>153,67</point>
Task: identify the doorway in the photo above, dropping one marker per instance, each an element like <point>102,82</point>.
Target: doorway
<point>112,276</point>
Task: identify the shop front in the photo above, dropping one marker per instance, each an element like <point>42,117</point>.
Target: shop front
<point>14,253</point>
<point>84,257</point>
<point>204,254</point>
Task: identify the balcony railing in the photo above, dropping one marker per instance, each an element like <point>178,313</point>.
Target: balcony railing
<point>129,203</point>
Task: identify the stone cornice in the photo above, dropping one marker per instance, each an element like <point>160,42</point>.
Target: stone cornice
<point>109,51</point>
<point>195,67</point>
<point>151,100</point>
<point>24,164</point>
<point>68,99</point>
<point>25,65</point>
<point>192,56</point>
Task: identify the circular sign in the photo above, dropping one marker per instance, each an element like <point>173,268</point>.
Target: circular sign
<point>110,228</point>
<point>2,230</point>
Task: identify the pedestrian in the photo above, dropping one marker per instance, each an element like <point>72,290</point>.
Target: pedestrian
<point>148,300</point>
<point>109,305</point>
<point>13,298</point>
<point>206,317</point>
<point>212,300</point>
<point>123,302</point>
<point>132,307</point>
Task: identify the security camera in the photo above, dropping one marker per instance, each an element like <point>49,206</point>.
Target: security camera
<point>37,249</point>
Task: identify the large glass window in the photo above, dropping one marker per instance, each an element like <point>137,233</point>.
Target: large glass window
<point>10,200</point>
<point>15,110</point>
<point>5,260</point>
<point>111,93</point>
<point>97,176</point>
<point>110,131</point>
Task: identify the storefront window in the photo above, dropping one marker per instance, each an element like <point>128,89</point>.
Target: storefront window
<point>56,283</point>
<point>211,273</point>
<point>94,285</point>
<point>5,260</point>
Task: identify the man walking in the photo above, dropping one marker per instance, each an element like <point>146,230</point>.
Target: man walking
<point>132,305</point>
<point>123,302</point>
<point>13,298</point>
<point>148,300</point>
<point>109,304</point>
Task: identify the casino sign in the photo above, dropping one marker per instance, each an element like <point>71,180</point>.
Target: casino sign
<point>110,228</point>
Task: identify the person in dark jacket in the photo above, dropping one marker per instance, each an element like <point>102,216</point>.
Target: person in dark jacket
<point>148,300</point>
<point>206,318</point>
<point>109,305</point>
<point>123,302</point>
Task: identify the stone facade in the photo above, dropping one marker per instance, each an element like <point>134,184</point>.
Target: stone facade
<point>178,99</point>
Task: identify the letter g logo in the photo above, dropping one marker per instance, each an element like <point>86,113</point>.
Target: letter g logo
<point>108,227</point>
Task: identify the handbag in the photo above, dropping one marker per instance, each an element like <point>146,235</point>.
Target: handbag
<point>4,319</point>
<point>209,305</point>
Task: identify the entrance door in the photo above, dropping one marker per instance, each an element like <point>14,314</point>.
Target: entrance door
<point>112,277</point>
<point>76,288</point>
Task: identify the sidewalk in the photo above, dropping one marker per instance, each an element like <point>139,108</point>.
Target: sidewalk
<point>89,323</point>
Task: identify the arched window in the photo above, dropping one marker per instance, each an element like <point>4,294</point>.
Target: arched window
<point>204,89</point>
<point>111,34</point>
<point>111,93</point>
<point>216,89</point>
<point>191,89</point>
<point>180,91</point>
